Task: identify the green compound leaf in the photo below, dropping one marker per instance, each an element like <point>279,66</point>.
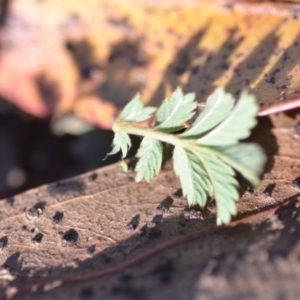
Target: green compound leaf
<point>195,183</point>
<point>218,106</point>
<point>149,164</point>
<point>135,111</point>
<point>207,155</point>
<point>121,142</point>
<point>174,112</point>
<point>236,126</point>
<point>224,185</point>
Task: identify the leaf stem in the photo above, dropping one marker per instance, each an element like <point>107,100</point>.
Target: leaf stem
<point>154,134</point>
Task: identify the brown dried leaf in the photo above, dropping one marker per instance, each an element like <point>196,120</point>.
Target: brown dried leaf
<point>106,236</point>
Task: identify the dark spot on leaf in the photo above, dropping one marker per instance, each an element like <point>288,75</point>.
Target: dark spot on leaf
<point>165,205</point>
<point>57,217</point>
<point>157,219</point>
<point>73,185</point>
<point>13,263</point>
<point>93,177</point>
<point>269,189</point>
<point>3,242</point>
<point>40,205</point>
<point>177,194</point>
<point>69,238</point>
<point>143,230</point>
<point>36,211</point>
<point>272,77</point>
<point>37,239</point>
<point>91,249</point>
<point>134,223</point>
<point>87,292</point>
<point>271,80</point>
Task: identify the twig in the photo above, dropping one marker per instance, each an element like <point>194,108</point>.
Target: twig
<point>279,107</point>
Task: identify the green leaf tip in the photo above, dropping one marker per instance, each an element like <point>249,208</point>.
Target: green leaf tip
<point>207,155</point>
<point>217,108</point>
<point>224,186</point>
<point>135,111</point>
<point>121,142</point>
<point>175,111</point>
<point>236,125</point>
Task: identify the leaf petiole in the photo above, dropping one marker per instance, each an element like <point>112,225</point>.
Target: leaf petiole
<point>172,139</point>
